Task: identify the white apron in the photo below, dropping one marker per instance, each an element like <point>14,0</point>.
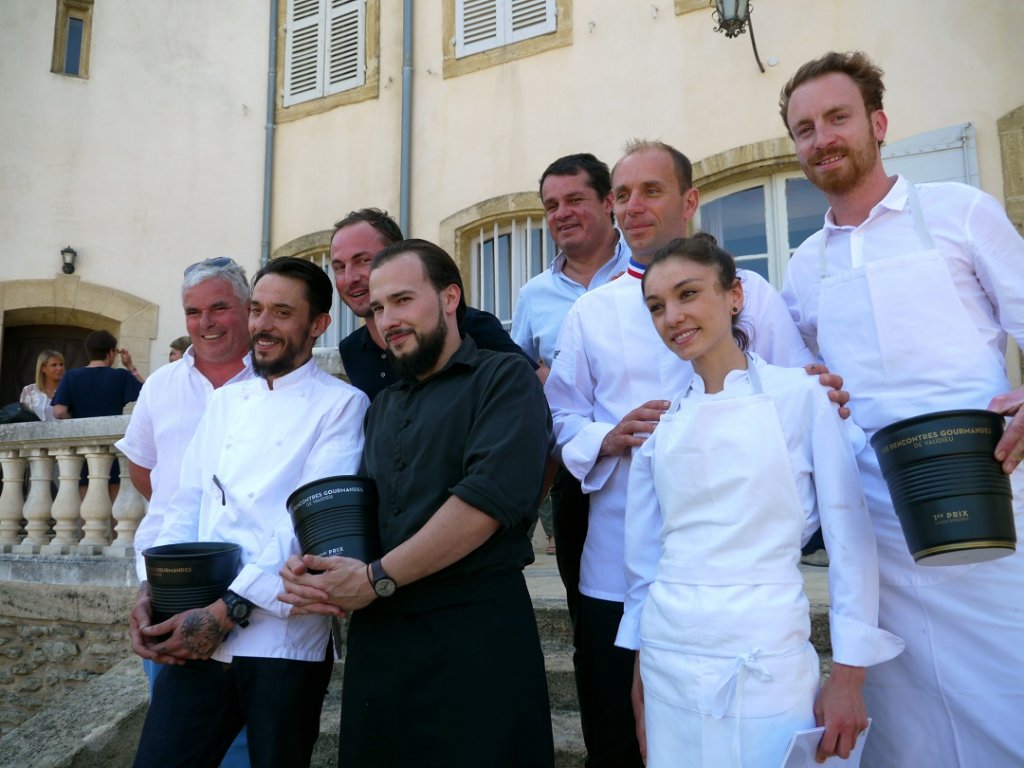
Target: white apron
<point>727,668</point>
<point>897,332</point>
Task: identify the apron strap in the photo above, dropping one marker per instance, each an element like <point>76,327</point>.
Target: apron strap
<point>754,376</point>
<point>923,235</point>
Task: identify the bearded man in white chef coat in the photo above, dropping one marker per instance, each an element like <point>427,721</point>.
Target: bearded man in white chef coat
<point>937,269</point>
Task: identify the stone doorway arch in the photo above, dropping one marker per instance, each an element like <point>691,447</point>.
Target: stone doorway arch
<point>69,301</point>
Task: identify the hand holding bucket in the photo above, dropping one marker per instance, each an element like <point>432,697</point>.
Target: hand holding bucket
<point>337,517</point>
<point>951,496</point>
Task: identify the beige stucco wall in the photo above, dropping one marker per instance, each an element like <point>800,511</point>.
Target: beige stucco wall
<point>151,163</point>
<point>156,160</point>
<point>634,69</point>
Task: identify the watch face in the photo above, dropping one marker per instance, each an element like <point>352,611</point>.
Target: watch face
<point>384,587</point>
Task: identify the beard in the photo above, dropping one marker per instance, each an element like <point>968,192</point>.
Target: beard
<point>286,362</point>
<point>424,357</point>
<point>860,160</point>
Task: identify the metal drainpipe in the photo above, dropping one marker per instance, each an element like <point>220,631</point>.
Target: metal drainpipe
<point>403,195</point>
<point>268,150</point>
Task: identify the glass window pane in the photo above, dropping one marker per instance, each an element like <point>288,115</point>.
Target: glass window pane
<point>504,311</point>
<point>757,264</point>
<point>73,52</point>
<point>536,252</point>
<point>737,221</point>
<point>805,210</point>
<point>487,275</point>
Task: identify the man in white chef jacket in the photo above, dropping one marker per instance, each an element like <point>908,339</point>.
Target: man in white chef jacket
<point>910,292</point>
<point>611,379</point>
<point>243,659</point>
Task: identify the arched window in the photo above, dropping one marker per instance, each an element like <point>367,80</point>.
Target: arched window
<point>504,255</point>
<point>762,218</point>
<point>761,222</point>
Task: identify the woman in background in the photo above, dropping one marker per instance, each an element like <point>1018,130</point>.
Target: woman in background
<point>49,371</point>
<point>721,497</point>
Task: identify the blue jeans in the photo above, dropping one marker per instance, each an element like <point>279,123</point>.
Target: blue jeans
<point>238,753</point>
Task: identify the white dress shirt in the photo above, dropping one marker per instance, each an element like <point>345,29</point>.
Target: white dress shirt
<point>169,408</point>
<point>611,360</point>
<point>252,448</point>
<point>981,249</point>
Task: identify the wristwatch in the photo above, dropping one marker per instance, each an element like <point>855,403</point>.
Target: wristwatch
<point>238,608</point>
<point>383,584</point>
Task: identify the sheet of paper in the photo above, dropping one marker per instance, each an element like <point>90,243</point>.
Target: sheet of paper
<point>804,745</point>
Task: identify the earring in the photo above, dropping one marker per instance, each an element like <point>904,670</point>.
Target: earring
<point>735,310</point>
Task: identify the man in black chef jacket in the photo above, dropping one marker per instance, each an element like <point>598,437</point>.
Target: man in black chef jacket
<point>444,664</point>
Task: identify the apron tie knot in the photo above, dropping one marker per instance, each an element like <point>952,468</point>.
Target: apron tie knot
<point>745,664</point>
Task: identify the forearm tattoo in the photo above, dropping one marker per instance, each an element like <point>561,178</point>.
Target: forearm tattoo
<point>200,632</point>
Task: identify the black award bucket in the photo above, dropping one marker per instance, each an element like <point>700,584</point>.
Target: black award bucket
<point>191,575</point>
<point>950,494</point>
<point>337,516</point>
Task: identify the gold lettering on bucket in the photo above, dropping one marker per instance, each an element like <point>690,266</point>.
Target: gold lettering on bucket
<point>935,438</point>
<point>326,494</point>
<point>956,516</point>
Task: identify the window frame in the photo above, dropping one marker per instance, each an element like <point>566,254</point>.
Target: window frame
<point>67,10</point>
<point>457,62</point>
<point>288,109</point>
<point>776,217</point>
<point>517,226</point>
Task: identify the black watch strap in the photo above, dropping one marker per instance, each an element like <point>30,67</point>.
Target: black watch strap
<point>383,584</point>
<point>238,608</point>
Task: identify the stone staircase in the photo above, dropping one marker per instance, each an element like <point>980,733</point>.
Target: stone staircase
<point>98,725</point>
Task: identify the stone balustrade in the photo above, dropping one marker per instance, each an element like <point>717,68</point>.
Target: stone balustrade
<point>39,522</point>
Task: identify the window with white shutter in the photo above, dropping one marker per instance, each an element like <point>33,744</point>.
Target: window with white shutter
<point>481,25</point>
<point>325,48</point>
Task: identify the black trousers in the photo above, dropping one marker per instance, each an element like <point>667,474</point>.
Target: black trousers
<point>604,677</point>
<point>198,709</point>
<point>570,512</point>
<point>460,686</point>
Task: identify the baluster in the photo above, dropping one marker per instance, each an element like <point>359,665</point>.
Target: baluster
<point>96,507</point>
<point>129,507</point>
<point>39,501</point>
<point>66,505</point>
<point>12,501</point>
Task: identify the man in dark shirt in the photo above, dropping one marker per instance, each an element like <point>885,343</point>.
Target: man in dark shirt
<point>99,389</point>
<point>357,237</point>
<point>444,661</point>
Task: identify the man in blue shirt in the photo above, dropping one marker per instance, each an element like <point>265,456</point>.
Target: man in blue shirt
<point>576,193</point>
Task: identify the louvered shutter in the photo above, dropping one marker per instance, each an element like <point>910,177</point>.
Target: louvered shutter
<point>478,26</point>
<point>304,51</point>
<point>530,18</point>
<point>346,50</point>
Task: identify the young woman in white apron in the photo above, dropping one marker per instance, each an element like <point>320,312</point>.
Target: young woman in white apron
<point>733,481</point>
